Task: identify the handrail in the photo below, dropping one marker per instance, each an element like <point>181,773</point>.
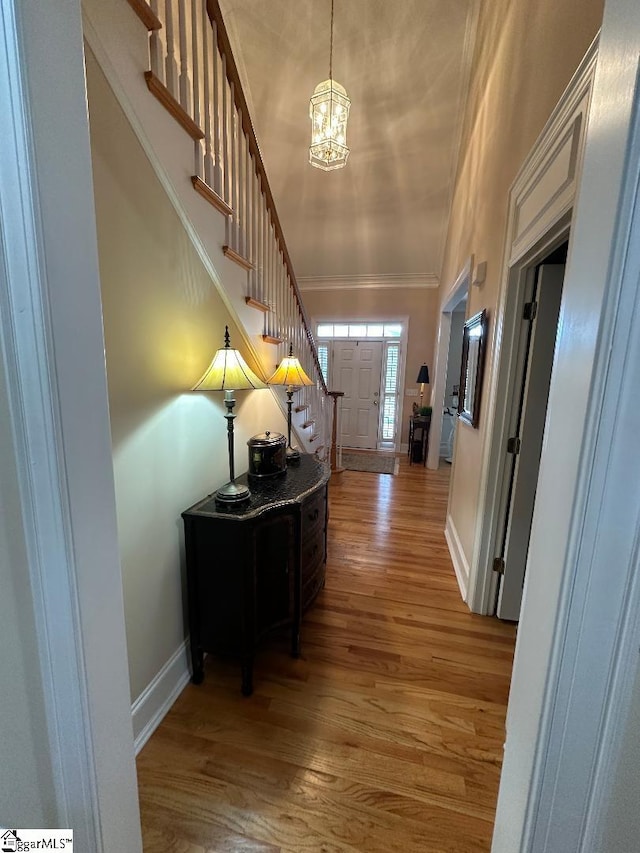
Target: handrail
<point>224,46</point>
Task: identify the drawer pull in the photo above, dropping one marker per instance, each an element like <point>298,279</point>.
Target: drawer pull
<point>312,516</point>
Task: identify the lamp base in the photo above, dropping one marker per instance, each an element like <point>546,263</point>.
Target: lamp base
<point>293,454</point>
<point>232,493</point>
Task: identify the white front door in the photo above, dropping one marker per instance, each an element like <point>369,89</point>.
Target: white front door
<point>356,370</point>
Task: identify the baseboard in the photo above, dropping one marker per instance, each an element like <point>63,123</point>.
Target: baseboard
<point>460,565</point>
<point>157,698</point>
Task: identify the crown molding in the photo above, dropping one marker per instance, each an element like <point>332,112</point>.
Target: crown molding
<point>418,281</point>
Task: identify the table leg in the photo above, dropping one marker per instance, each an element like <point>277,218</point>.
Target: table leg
<point>247,676</point>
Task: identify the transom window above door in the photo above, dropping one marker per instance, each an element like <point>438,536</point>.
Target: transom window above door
<point>359,330</point>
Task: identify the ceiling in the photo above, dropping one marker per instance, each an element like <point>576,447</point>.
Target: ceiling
<point>404,64</point>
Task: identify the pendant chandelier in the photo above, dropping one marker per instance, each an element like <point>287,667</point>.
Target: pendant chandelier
<point>329,112</point>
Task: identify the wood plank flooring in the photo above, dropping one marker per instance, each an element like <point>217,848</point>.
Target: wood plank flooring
<point>386,735</point>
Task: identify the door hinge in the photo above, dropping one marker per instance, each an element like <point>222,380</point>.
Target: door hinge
<point>513,445</point>
<point>498,565</point>
<point>530,310</point>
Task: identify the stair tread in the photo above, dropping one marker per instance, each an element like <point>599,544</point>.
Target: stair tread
<point>237,258</point>
<point>146,14</point>
<point>256,303</point>
<point>173,107</point>
<point>210,195</point>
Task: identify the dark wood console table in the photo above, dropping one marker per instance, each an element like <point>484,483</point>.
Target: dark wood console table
<point>257,566</point>
<point>419,438</point>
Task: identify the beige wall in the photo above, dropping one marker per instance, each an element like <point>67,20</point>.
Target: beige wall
<point>420,306</point>
<point>525,55</point>
<point>163,320</point>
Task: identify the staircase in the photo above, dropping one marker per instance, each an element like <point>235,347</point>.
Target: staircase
<point>171,67</point>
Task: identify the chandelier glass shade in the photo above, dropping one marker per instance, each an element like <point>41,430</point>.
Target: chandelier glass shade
<point>329,113</point>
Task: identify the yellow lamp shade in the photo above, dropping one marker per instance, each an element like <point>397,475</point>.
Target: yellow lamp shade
<point>290,372</point>
<point>228,371</point>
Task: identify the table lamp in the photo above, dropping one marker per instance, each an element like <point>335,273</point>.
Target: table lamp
<point>291,374</point>
<point>423,379</point>
<point>229,372</point>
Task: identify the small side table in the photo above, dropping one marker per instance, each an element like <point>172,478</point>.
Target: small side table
<point>419,438</point>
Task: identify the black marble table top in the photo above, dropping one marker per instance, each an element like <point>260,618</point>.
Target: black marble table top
<point>268,493</point>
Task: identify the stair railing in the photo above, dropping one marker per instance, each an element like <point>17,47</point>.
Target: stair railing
<point>193,73</point>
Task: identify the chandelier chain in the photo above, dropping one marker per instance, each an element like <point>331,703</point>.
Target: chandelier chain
<point>331,46</point>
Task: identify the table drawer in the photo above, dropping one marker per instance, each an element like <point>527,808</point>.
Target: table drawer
<point>312,553</point>
<point>314,511</point>
<point>313,586</point>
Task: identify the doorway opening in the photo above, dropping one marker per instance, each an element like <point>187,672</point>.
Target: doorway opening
<point>447,370</point>
<point>538,307</point>
<point>365,360</point>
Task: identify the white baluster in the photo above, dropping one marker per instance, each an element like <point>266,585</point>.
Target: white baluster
<point>283,291</point>
<point>254,228</point>
<point>267,276</point>
<point>263,237</point>
<point>289,310</point>
<point>242,198</point>
<point>254,244</point>
<point>171,65</point>
<point>272,280</point>
<point>279,300</point>
<point>216,107</point>
<point>157,45</point>
<point>199,72</point>
<point>248,188</point>
<point>259,239</point>
<point>185,83</point>
<point>233,167</point>
<point>224,131</point>
<point>247,197</point>
<point>209,55</point>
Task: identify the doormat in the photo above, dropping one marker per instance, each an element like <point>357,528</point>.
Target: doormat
<point>373,463</point>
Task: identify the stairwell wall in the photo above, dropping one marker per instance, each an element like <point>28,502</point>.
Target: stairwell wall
<point>163,320</point>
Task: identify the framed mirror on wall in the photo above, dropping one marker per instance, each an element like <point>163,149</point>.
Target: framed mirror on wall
<point>474,344</point>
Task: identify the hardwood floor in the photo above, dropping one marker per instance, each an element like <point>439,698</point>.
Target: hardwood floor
<point>385,736</point>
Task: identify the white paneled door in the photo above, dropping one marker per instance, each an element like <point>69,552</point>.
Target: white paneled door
<point>528,419</point>
<point>357,368</point>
